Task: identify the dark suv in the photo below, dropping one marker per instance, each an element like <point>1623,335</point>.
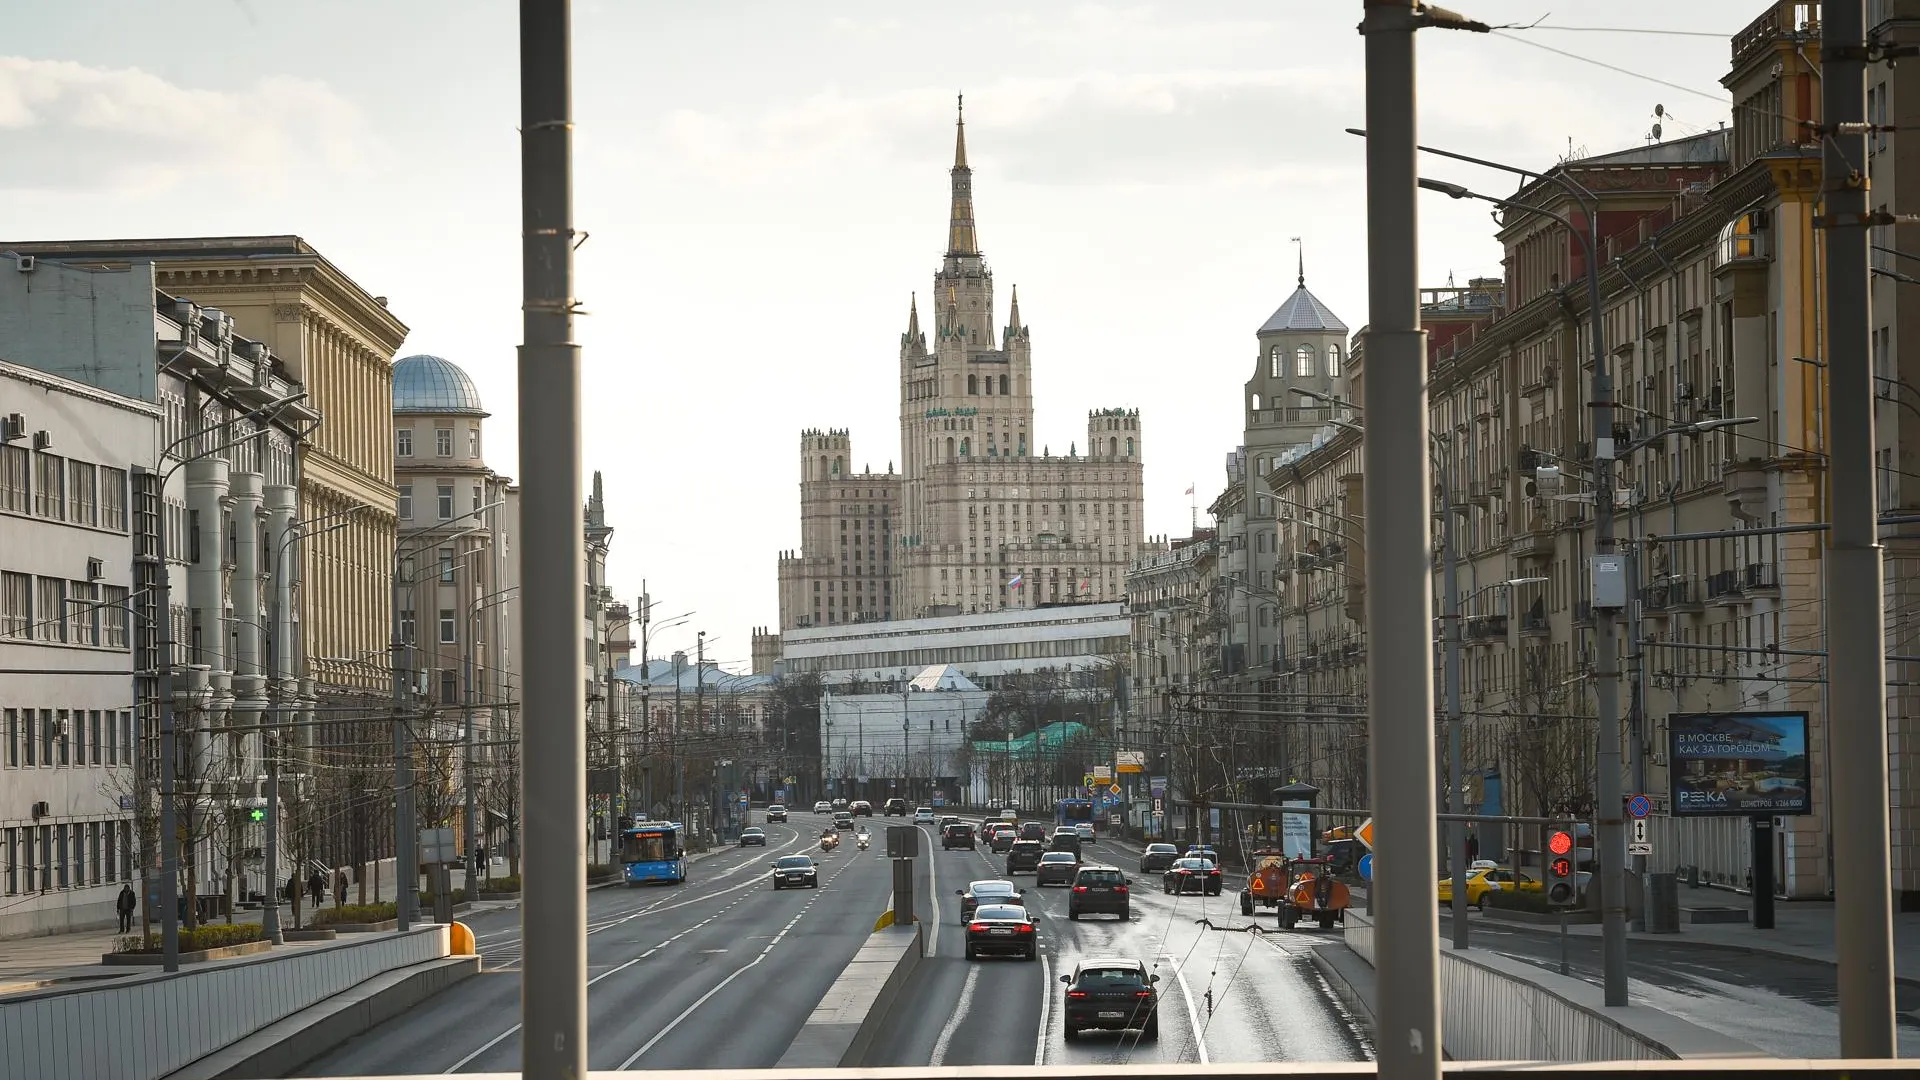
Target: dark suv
<point>897,807</point>
<point>1099,890</point>
<point>957,835</point>
<point>1112,995</point>
<point>1024,856</point>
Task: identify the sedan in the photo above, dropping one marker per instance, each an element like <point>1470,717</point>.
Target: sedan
<point>1001,839</point>
<point>823,807</point>
<point>1085,829</point>
<point>776,812</point>
<point>923,815</point>
<point>1056,868</point>
<point>1192,875</point>
<point>1002,929</point>
<point>753,834</point>
<point>1158,857</point>
<point>991,891</point>
<point>795,872</point>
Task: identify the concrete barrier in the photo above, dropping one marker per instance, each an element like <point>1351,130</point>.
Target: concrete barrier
<point>853,1013</point>
<point>1496,1009</point>
<point>146,1026</point>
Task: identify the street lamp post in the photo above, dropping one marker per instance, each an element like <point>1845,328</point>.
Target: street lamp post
<point>474,837</point>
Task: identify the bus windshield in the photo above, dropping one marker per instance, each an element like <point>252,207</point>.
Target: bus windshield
<point>1072,810</point>
<point>650,846</point>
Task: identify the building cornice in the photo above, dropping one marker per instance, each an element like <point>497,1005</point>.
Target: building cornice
<point>41,379</point>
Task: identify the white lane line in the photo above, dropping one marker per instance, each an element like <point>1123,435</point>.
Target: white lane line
<point>953,1022</point>
<point>722,985</point>
<point>1046,1009</point>
<point>933,887</point>
<point>1186,994</point>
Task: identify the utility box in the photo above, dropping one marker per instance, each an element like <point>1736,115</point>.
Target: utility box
<point>1608,581</point>
<point>903,842</point>
<point>1663,904</point>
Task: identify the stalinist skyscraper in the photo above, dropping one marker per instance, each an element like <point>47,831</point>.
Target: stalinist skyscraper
<point>978,517</point>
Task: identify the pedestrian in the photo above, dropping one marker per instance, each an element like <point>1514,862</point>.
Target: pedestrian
<point>340,886</point>
<point>317,888</point>
<point>126,904</point>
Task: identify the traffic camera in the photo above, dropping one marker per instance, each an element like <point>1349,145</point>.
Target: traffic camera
<point>1561,890</point>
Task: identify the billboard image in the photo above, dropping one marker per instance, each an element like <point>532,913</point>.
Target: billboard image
<point>1739,764</point>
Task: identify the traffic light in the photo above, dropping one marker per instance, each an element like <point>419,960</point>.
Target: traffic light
<point>256,815</point>
<point>1561,891</point>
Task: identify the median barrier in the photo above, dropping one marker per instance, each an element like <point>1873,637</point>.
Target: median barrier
<point>856,1010</point>
<point>148,1025</point>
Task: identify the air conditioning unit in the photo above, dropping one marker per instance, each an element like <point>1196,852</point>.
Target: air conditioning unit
<point>41,810</point>
<point>13,426</point>
<point>24,263</point>
<point>95,569</point>
<point>42,439</point>
<point>1683,391</point>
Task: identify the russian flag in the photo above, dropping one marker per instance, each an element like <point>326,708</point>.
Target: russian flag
<point>1015,582</point>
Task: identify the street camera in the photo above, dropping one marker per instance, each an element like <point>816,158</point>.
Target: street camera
<point>1546,481</point>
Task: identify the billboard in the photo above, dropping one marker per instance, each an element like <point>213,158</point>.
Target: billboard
<point>1739,764</point>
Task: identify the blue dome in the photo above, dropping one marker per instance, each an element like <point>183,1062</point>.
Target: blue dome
<point>429,384</point>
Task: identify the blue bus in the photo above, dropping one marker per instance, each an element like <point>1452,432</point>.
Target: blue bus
<point>650,851</point>
<point>1072,811</point>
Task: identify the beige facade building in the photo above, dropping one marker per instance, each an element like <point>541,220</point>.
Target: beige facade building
<point>978,518</point>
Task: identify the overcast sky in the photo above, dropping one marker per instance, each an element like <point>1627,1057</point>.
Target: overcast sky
<point>765,184</point>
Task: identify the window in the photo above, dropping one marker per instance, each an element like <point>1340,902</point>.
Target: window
<point>1277,365</point>
<point>443,441</point>
<point>113,499</point>
<point>15,487</point>
<point>446,501</point>
<point>83,613</point>
<point>446,565</point>
<point>48,486</point>
<point>403,442</point>
<point>11,733</point>
<point>193,536</point>
<point>16,605</point>
<point>93,731</point>
<point>58,733</point>
<point>1333,361</point>
<point>52,604</point>
<point>1003,383</point>
<point>406,627</point>
<point>446,626</point>
<point>126,744</point>
<point>973,386</point>
<point>113,618</point>
<point>473,441</point>
<point>83,496</point>
<point>476,498</point>
<point>449,688</point>
<point>1303,362</point>
<point>406,502</point>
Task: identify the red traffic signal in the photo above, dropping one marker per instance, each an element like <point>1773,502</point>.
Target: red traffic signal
<point>1560,843</point>
<point>1561,868</point>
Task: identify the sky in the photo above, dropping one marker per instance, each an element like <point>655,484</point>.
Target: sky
<point>763,185</point>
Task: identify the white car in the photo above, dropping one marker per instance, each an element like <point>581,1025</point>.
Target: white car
<point>923,815</point>
<point>823,807</point>
<point>1085,829</point>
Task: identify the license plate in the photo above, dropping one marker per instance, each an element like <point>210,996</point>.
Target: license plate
<point>1001,932</point>
<point>1113,1016</point>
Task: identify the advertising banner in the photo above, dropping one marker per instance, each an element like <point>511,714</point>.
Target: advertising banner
<point>1739,764</point>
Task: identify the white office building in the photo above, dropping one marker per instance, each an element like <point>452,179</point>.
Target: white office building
<point>986,647</point>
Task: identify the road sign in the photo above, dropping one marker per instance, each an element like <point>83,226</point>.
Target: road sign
<point>1089,780</point>
<point>1364,834</point>
<point>1639,830</point>
<point>1131,761</point>
<point>1365,867</point>
<point>791,780</point>
<point>1640,848</point>
<point>1639,806</point>
<point>1156,806</point>
<point>1103,773</point>
<point>1158,786</point>
<point>1113,789</point>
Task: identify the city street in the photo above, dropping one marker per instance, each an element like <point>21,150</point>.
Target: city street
<point>1226,995</point>
<point>679,977</point>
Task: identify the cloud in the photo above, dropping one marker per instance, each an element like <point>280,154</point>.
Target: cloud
<point>71,128</point>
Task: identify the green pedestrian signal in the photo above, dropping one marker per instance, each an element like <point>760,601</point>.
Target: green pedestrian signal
<point>256,815</point>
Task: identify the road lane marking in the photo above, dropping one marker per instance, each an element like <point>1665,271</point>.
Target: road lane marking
<point>933,887</point>
<point>953,1022</point>
<point>1046,1008</point>
<point>1193,1018</point>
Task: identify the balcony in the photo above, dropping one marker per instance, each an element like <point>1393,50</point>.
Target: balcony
<point>1486,628</point>
<point>1727,587</point>
<point>1534,624</point>
<point>1656,601</point>
<point>1583,613</point>
<point>1682,596</point>
<point>1534,543</point>
<point>1762,579</point>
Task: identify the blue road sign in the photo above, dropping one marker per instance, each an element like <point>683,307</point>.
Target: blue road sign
<point>1365,867</point>
<point>1639,806</point>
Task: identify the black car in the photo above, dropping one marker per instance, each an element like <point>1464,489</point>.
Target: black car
<point>795,872</point>
<point>1065,838</point>
<point>1158,857</point>
<point>842,819</point>
<point>775,813</point>
<point>861,808</point>
<point>1003,929</point>
<point>994,891</point>
<point>1192,875</point>
<point>1056,868</point>
<point>1111,995</point>
<point>1099,890</point>
<point>959,834</point>
<point>1024,856</point>
<point>897,807</point>
<point>753,834</point>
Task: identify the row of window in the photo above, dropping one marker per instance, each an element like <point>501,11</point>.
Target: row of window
<point>449,623</point>
<point>65,738</point>
<point>56,611</point>
<point>1306,362</point>
<point>62,489</point>
<point>963,654</point>
<point>442,442</point>
<point>76,855</point>
<point>443,500</point>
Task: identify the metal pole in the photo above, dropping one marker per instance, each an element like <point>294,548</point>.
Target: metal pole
<point>1400,596</point>
<point>466,738</point>
<point>679,755</point>
<point>270,913</point>
<point>1863,917</point>
<point>169,764</point>
<point>699,711</point>
<point>1610,808</point>
<point>553,998</point>
<point>1637,709</point>
<point>1450,626</point>
<point>397,661</point>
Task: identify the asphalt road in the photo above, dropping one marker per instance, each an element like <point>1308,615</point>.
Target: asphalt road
<point>1786,1007</point>
<point>1226,994</point>
<point>678,976</point>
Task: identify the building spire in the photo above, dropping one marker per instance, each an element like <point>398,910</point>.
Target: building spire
<point>1013,313</point>
<point>913,317</point>
<point>961,237</point>
<point>1300,250</point>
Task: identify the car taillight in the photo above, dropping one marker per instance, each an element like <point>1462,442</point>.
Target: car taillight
<point>1120,888</point>
<point>1026,928</point>
<point>1079,888</point>
<point>977,927</point>
<point>1076,993</point>
<point>1213,873</point>
<point>1143,993</point>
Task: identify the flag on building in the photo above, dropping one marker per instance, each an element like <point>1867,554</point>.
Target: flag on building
<point>1190,488</point>
<point>1014,583</point>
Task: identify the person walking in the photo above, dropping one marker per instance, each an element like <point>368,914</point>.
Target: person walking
<point>126,903</point>
<point>316,888</point>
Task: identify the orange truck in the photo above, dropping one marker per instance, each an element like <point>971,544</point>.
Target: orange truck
<point>1300,889</point>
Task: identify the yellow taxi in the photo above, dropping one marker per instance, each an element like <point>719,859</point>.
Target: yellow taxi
<point>1482,880</point>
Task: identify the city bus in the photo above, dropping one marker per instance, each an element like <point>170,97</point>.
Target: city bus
<point>1072,811</point>
<point>650,851</point>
